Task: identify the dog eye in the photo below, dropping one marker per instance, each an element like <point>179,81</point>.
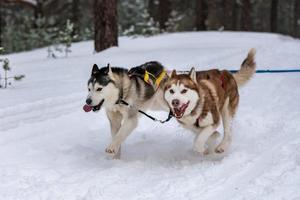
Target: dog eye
<point>89,89</point>
<point>99,89</point>
<point>183,91</point>
<point>172,91</point>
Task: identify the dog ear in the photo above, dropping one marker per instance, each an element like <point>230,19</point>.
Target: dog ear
<point>174,74</point>
<point>95,69</point>
<point>109,70</point>
<point>193,75</point>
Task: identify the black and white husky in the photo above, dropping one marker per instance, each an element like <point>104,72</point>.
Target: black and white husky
<point>107,86</point>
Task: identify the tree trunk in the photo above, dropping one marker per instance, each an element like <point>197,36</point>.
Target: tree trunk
<point>151,8</point>
<point>38,13</point>
<point>105,22</point>
<point>1,24</point>
<point>213,16</point>
<point>75,16</point>
<point>229,14</point>
<point>235,17</point>
<point>274,14</point>
<point>201,15</point>
<point>246,16</point>
<point>297,19</point>
<point>164,13</point>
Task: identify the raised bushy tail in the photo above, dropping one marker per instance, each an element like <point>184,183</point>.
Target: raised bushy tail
<point>247,69</point>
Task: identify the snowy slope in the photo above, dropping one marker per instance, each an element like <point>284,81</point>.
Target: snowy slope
<point>51,149</point>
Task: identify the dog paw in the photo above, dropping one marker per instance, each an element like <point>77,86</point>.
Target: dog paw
<point>221,148</point>
<point>112,150</point>
<point>206,152</point>
<point>200,150</point>
<point>109,151</point>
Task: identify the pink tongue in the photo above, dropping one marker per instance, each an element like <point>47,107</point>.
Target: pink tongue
<point>177,112</point>
<point>87,108</point>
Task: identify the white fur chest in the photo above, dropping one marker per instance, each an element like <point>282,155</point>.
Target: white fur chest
<point>206,121</point>
<point>189,121</point>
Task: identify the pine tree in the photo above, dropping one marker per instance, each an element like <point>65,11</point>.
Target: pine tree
<point>172,25</point>
<point>145,26</point>
<point>67,36</point>
<point>6,68</point>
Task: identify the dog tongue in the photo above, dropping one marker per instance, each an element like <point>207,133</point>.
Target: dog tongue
<point>87,108</point>
<point>180,111</point>
<point>177,112</point>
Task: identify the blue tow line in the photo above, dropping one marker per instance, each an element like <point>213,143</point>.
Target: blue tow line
<point>260,71</point>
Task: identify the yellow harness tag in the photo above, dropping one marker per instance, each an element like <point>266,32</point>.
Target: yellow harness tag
<point>160,78</point>
<point>157,80</point>
<point>146,76</point>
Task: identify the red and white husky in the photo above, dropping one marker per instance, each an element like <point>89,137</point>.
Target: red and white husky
<point>200,100</point>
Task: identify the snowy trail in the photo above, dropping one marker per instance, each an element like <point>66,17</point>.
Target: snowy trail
<point>50,149</point>
<point>38,111</point>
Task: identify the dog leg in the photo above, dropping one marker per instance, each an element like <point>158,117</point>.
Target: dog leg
<point>211,143</point>
<point>199,143</point>
<point>115,120</point>
<point>226,119</point>
<point>128,125</point>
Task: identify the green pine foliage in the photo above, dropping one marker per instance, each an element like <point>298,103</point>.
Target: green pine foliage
<point>21,33</point>
<point>66,37</point>
<point>63,42</point>
<point>146,26</point>
<point>22,30</point>
<point>135,19</point>
<point>173,22</point>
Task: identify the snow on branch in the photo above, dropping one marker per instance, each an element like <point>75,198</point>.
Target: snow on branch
<point>31,3</point>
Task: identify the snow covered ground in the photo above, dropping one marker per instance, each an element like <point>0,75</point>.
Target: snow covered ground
<point>50,149</point>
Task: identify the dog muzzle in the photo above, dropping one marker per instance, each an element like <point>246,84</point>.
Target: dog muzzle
<point>179,112</point>
<point>89,108</point>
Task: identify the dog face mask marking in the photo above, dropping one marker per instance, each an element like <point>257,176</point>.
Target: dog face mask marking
<point>101,87</point>
<point>181,99</point>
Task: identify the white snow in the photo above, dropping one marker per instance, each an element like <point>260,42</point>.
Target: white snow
<point>51,149</point>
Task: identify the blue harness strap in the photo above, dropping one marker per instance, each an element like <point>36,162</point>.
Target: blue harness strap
<point>260,71</point>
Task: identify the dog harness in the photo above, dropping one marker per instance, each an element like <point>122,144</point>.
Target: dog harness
<point>157,79</point>
<point>170,115</point>
<point>222,78</point>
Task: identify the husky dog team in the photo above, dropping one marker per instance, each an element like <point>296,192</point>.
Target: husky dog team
<point>199,100</point>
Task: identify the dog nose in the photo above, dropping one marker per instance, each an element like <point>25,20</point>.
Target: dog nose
<point>175,102</point>
<point>88,101</point>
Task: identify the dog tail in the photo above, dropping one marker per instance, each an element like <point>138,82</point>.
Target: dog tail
<point>247,69</point>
